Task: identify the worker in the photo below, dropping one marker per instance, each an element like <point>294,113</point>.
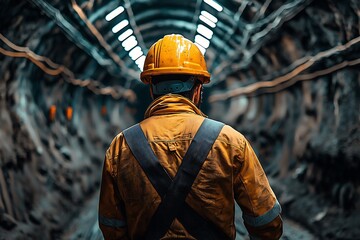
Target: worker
<point>177,173</point>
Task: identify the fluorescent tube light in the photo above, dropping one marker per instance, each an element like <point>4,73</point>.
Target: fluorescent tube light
<point>140,62</point>
<point>120,26</point>
<point>209,16</point>
<point>129,43</point>
<point>117,11</point>
<point>135,53</point>
<point>202,41</point>
<point>214,4</point>
<point>125,35</point>
<point>206,32</point>
<point>207,21</point>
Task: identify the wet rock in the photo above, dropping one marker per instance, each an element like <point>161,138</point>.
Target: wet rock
<point>7,222</point>
<point>35,217</point>
<point>65,151</point>
<point>43,170</point>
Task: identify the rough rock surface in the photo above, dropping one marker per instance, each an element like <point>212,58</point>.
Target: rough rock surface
<point>306,132</point>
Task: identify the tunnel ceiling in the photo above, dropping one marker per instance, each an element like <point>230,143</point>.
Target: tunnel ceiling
<point>232,31</point>
<point>236,36</point>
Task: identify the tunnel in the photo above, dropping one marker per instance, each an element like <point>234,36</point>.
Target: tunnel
<point>284,73</point>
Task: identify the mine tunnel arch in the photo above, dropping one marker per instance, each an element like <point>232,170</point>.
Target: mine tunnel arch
<point>284,73</point>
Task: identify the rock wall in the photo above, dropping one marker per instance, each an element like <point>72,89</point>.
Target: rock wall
<point>50,158</point>
<point>298,103</point>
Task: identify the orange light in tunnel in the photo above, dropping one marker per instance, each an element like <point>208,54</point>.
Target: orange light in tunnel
<point>69,113</point>
<point>52,113</point>
<point>103,110</point>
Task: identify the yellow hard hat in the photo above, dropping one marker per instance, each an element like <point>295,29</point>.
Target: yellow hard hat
<point>174,54</point>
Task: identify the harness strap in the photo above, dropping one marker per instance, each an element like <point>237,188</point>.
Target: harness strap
<point>183,180</point>
<point>173,193</point>
<point>143,153</point>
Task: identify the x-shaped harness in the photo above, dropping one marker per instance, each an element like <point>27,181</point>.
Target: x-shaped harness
<point>174,191</point>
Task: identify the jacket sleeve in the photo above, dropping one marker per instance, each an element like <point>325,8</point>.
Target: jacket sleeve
<point>111,214</point>
<point>261,210</point>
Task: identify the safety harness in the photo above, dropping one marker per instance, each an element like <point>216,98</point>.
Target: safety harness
<point>174,191</point>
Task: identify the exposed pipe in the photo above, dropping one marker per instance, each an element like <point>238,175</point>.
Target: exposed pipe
<point>94,86</point>
<point>270,23</point>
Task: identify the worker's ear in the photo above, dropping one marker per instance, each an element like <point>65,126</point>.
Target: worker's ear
<point>197,95</point>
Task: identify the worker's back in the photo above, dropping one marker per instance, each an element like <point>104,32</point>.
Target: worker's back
<point>170,125</point>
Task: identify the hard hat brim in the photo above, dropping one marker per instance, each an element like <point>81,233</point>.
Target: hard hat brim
<point>203,76</point>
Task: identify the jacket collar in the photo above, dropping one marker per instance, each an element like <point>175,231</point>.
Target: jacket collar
<point>172,104</point>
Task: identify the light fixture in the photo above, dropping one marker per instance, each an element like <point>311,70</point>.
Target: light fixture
<point>206,32</point>
<point>202,41</point>
<point>129,43</point>
<point>117,11</point>
<point>209,16</point>
<point>207,21</point>
<point>140,62</point>
<point>135,53</point>
<point>214,4</point>
<point>140,67</point>
<point>201,48</point>
<point>125,35</point>
<point>120,26</point>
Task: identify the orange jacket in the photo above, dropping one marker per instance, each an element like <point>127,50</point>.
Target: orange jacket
<point>231,171</point>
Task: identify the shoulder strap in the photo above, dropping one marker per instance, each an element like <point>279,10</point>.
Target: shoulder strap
<point>173,193</point>
<point>143,153</point>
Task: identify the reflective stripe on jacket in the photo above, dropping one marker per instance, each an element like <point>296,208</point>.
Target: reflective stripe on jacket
<point>231,171</point>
